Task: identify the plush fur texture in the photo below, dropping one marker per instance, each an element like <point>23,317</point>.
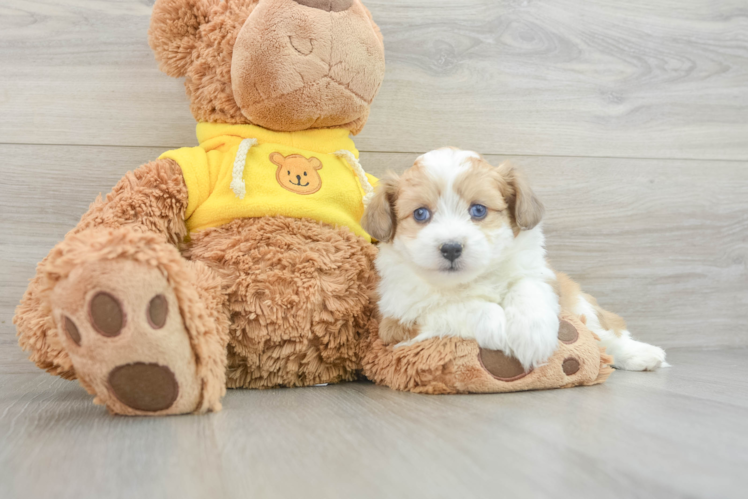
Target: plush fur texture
<point>325,74</point>
<point>101,259</point>
<point>256,303</point>
<point>150,199</point>
<point>298,294</point>
<point>453,365</point>
<point>275,63</point>
<point>284,300</point>
<point>498,289</point>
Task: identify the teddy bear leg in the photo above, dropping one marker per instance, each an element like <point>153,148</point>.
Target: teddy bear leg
<point>453,365</point>
<point>299,294</point>
<point>144,329</point>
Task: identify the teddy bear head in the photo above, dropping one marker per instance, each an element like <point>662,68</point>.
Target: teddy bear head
<point>285,65</point>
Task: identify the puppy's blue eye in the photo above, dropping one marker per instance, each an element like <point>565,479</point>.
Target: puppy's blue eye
<point>421,214</point>
<point>478,211</point>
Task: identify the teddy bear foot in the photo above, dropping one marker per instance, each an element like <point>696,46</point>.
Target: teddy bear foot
<point>458,366</point>
<point>120,323</point>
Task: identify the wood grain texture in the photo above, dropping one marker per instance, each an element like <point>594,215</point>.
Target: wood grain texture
<point>662,242</point>
<point>666,79</point>
<point>678,432</point>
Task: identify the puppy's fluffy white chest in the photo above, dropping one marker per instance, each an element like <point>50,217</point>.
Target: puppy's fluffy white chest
<point>407,295</point>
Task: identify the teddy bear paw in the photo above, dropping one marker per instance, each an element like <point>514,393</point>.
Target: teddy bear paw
<point>120,323</point>
<point>508,368</point>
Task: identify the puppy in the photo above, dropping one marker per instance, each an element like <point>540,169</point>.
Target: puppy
<point>462,253</point>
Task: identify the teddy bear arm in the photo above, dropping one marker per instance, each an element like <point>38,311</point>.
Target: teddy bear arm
<point>150,199</point>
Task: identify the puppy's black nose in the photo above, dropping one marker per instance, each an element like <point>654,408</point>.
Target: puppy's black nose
<point>451,251</point>
<point>298,178</point>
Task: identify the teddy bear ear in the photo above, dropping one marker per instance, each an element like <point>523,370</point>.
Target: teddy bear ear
<point>175,32</point>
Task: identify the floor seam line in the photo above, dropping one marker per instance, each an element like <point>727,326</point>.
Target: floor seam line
<point>529,155</point>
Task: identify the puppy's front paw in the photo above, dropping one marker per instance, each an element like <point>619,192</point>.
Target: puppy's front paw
<point>532,336</point>
<point>490,327</point>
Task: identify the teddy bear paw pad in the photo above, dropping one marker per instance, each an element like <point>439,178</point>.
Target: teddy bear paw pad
<point>119,322</point>
<point>144,386</point>
<point>567,333</point>
<point>501,366</point>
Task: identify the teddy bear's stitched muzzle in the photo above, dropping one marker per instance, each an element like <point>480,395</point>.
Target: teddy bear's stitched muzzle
<point>328,5</point>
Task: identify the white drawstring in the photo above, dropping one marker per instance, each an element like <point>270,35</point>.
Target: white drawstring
<point>359,170</point>
<point>237,175</point>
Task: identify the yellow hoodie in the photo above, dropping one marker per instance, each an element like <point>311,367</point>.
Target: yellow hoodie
<point>243,171</point>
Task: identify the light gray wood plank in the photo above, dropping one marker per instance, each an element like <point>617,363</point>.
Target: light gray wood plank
<point>663,434</point>
<point>662,242</point>
<point>665,79</point>
<point>56,443</point>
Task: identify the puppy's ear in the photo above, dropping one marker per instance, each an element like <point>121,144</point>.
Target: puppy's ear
<point>527,209</point>
<point>175,32</point>
<point>380,219</point>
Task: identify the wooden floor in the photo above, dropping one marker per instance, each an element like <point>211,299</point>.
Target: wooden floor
<point>679,432</point>
<point>630,118</point>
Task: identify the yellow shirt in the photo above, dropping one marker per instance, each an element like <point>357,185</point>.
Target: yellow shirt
<point>292,174</point>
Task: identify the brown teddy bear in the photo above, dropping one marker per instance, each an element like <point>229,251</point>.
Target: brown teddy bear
<point>242,262</point>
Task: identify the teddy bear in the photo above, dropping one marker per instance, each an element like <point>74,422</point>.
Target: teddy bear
<point>242,262</point>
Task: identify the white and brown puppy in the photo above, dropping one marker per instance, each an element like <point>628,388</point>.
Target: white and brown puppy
<point>462,253</point>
